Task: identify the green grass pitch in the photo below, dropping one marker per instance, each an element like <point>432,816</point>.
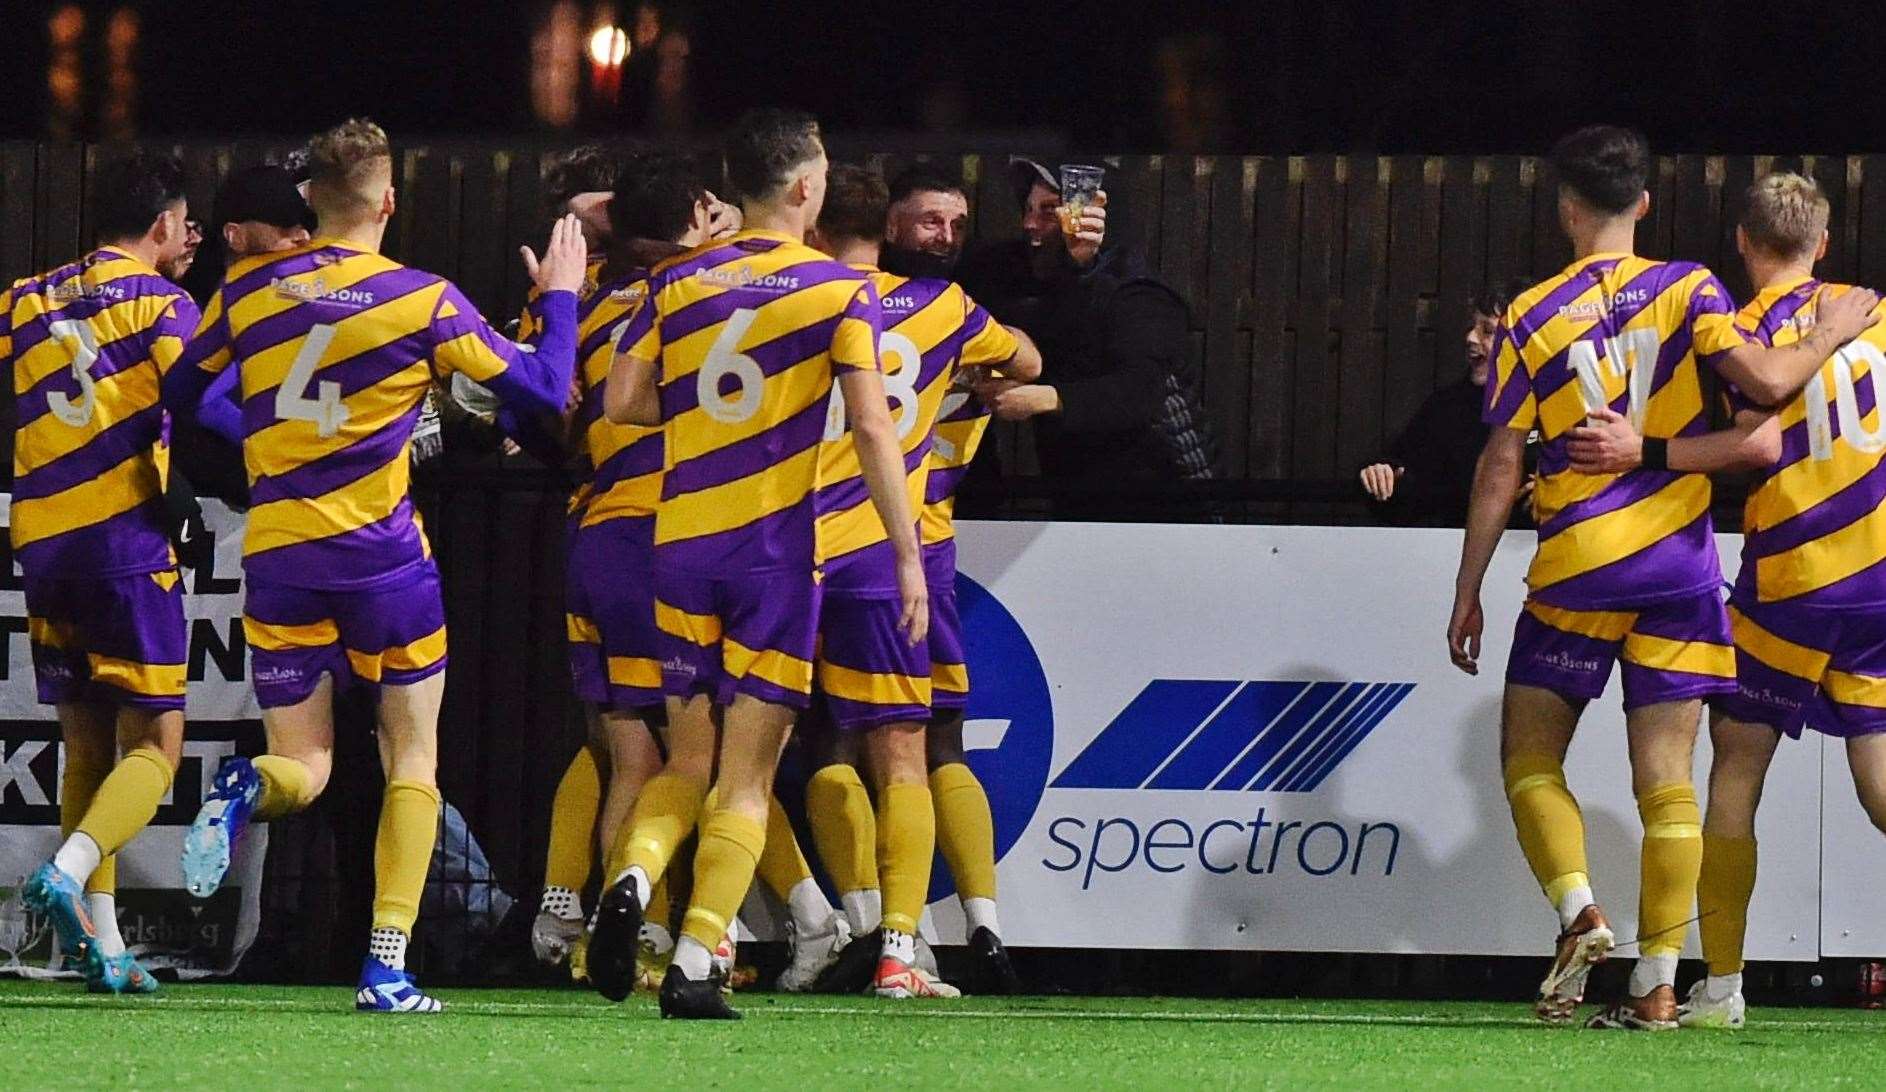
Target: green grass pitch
<point>248,1037</point>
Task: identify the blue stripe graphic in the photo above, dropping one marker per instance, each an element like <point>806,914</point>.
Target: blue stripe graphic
<point>1260,736</point>
<point>1311,701</point>
<point>1225,735</point>
<point>1360,718</point>
<point>1398,691</point>
<point>1148,730</point>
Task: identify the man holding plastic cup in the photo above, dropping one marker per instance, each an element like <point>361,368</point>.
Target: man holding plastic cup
<point>1117,401</point>
<point>1064,215</point>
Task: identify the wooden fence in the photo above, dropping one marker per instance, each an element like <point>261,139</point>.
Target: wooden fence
<point>1329,293</point>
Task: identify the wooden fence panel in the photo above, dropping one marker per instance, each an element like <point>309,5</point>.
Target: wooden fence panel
<point>1328,294</point>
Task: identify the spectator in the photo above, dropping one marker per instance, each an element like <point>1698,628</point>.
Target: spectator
<point>1424,478</point>
<point>1117,401</point>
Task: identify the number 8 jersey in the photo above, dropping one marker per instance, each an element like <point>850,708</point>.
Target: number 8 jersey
<point>1815,536</point>
<point>337,347</point>
<point>88,344</point>
<point>1625,332</point>
<point>747,334</point>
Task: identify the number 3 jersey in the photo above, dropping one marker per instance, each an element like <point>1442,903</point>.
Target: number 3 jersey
<point>337,348</point>
<point>88,344</point>
<point>1815,536</point>
<point>747,335</point>
<point>1625,332</point>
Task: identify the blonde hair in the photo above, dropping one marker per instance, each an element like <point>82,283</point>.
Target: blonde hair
<point>1785,214</point>
<point>349,166</point>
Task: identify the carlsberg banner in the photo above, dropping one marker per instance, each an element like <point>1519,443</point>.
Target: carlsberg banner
<point>160,922</point>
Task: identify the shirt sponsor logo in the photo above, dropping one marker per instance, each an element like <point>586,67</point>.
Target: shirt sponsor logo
<point>1591,309</point>
<point>76,289</point>
<point>317,291</point>
<point>742,276</point>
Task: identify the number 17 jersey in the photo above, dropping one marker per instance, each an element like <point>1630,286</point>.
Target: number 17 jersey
<point>747,335</point>
<point>1629,333</point>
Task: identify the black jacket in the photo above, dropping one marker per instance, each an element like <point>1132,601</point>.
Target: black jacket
<point>1438,449</point>
<point>1113,345</point>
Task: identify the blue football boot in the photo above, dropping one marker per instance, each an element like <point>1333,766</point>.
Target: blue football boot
<point>121,973</point>
<point>61,898</point>
<point>218,826</point>
<point>383,989</point>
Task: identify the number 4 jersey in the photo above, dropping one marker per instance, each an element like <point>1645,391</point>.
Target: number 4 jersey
<point>1625,332</point>
<point>1815,536</point>
<point>88,344</point>
<point>747,335</point>
<point>337,347</point>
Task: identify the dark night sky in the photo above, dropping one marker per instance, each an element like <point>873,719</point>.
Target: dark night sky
<point>1291,75</point>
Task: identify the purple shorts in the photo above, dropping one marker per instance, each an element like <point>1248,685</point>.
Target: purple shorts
<point>392,636</point>
<point>1798,667</point>
<point>869,673</point>
<point>949,662</point>
<point>615,649</point>
<point>752,633</point>
<point>1671,651</point>
<point>116,639</point>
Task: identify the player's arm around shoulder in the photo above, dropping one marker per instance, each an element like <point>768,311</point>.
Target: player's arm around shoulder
<point>1770,376</point>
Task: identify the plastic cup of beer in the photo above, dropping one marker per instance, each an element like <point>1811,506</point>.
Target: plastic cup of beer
<point>1079,184</point>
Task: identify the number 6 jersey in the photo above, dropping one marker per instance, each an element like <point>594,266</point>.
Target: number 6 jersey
<point>337,347</point>
<point>747,335</point>
<point>1815,535</point>
<point>1625,332</point>
<point>88,344</point>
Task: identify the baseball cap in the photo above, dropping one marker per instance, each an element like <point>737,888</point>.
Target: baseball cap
<point>1024,173</point>
<point>267,194</point>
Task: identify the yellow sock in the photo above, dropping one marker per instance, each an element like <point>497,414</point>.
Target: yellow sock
<point>665,813</point>
<point>906,843</point>
<point>1722,896</point>
<point>965,830</point>
<point>782,864</point>
<point>731,844</point>
<point>402,852</point>
<point>1672,858</point>
<point>128,799</point>
<point>1551,828</point>
<point>572,822</point>
<point>659,909</point>
<point>844,830</point>
<point>287,786</point>
<point>77,786</point>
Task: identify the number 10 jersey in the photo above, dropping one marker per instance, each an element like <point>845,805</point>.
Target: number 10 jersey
<point>337,347</point>
<point>1815,534</point>
<point>747,335</point>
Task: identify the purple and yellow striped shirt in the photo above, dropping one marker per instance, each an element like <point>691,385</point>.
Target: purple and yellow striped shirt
<point>337,347</point>
<point>89,344</point>
<point>747,335</point>
<point>1625,332</point>
<point>618,466</point>
<point>932,330</point>
<point>1815,536</point>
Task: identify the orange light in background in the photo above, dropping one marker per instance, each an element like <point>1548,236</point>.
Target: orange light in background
<point>64,82</point>
<point>608,47</point>
<point>554,65</point>
<point>121,80</point>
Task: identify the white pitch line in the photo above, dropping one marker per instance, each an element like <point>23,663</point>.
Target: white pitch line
<point>499,1008</point>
